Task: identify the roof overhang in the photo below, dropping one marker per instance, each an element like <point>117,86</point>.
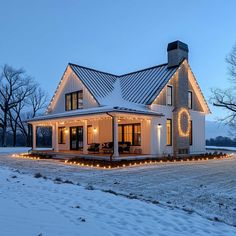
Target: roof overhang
<point>83,113</point>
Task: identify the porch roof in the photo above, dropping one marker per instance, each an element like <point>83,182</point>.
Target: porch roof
<point>94,111</point>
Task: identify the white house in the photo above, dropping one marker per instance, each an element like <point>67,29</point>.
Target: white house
<point>154,111</point>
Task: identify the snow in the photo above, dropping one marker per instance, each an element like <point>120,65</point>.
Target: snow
<point>171,199</point>
<point>31,206</point>
<point>221,148</point>
<point>4,150</point>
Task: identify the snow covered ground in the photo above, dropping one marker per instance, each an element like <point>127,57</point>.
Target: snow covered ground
<point>31,206</point>
<point>221,148</point>
<point>164,199</point>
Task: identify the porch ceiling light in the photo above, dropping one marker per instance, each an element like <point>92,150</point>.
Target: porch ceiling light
<point>95,130</point>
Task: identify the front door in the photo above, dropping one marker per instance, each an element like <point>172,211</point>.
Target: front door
<point>76,138</point>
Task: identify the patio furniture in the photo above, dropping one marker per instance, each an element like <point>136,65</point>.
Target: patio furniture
<point>94,147</point>
<point>107,147</point>
<point>138,150</point>
<point>124,147</point>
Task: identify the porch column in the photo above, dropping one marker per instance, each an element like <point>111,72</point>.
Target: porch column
<point>115,136</point>
<point>34,136</point>
<point>159,135</point>
<point>56,147</point>
<point>154,145</point>
<point>85,142</point>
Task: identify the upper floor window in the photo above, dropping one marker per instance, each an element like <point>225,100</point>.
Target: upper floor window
<point>190,99</point>
<point>169,95</point>
<point>74,100</point>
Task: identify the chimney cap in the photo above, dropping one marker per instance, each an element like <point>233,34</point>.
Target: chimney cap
<point>177,45</point>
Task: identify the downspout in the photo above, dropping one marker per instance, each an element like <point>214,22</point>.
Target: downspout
<point>112,134</point>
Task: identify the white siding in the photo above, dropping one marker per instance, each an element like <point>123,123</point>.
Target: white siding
<point>198,119</point>
<point>167,112</point>
<point>71,83</point>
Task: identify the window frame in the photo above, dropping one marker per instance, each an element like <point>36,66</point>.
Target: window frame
<point>191,133</point>
<point>89,126</point>
<point>171,88</point>
<point>78,104</point>
<point>61,135</point>
<point>190,92</point>
<point>133,125</point>
<point>171,132</point>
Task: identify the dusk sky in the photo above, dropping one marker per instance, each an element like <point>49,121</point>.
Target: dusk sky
<point>116,36</point>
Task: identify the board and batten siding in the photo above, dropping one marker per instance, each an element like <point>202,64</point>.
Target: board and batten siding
<point>198,129</point>
<point>198,122</point>
<point>71,83</point>
<point>168,114</point>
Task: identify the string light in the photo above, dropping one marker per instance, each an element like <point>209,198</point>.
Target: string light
<point>141,163</point>
<point>183,133</point>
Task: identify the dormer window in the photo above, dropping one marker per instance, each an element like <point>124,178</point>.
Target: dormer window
<point>190,99</point>
<point>169,95</point>
<point>74,100</point>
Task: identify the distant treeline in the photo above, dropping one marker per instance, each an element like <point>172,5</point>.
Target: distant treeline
<point>221,141</point>
<point>43,138</point>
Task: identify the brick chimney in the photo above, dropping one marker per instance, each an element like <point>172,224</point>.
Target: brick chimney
<point>177,52</point>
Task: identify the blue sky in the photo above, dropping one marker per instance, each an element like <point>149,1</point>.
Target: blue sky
<point>116,36</point>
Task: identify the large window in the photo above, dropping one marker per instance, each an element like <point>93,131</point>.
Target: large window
<point>130,133</point>
<point>90,134</point>
<point>169,95</point>
<point>191,132</point>
<point>74,100</point>
<point>61,135</point>
<point>168,132</point>
<point>190,99</point>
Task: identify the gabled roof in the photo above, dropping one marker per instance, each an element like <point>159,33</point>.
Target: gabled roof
<point>100,84</point>
<point>140,87</point>
<point>143,86</point>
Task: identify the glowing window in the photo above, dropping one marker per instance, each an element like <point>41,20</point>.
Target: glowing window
<point>168,132</point>
<point>61,135</point>
<point>90,134</point>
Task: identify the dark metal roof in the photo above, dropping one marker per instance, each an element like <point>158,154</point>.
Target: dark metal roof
<point>144,86</point>
<point>100,84</point>
<point>139,87</point>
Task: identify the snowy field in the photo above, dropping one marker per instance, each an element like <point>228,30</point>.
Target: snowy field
<point>166,199</point>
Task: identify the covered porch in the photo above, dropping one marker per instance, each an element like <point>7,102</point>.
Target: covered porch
<point>108,135</point>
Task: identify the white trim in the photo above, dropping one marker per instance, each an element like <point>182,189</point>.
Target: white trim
<point>172,95</point>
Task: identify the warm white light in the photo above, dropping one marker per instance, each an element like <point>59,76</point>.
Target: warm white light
<point>183,111</point>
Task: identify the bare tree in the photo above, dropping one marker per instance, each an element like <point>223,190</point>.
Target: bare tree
<point>226,98</point>
<point>15,87</point>
<point>34,106</point>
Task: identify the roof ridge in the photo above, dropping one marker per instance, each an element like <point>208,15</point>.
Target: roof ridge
<point>152,67</point>
<point>88,68</point>
<point>121,75</point>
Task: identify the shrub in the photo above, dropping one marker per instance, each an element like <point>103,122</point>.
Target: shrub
<point>38,175</point>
